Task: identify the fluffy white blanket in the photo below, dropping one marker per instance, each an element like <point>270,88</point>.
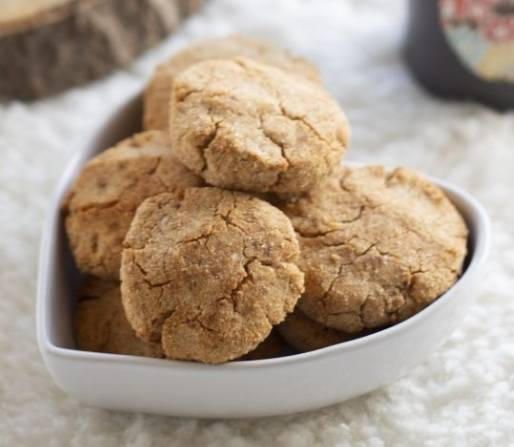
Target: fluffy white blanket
<point>461,396</point>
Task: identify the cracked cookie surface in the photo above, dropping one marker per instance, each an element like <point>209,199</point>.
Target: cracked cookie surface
<point>248,126</point>
<point>111,186</point>
<point>209,275</point>
<point>305,334</point>
<point>157,95</point>
<point>376,247</point>
<point>101,325</point>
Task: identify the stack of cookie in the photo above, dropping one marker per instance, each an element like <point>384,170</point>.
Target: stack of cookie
<point>228,228</point>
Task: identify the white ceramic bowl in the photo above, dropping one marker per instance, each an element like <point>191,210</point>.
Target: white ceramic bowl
<point>237,389</point>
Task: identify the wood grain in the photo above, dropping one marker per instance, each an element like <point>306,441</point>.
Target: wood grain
<point>47,46</point>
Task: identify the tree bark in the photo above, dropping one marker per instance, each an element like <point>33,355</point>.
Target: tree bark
<point>76,41</point>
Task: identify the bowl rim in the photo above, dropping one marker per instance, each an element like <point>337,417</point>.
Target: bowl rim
<point>476,217</point>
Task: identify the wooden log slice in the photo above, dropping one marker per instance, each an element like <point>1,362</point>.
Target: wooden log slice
<point>47,46</point>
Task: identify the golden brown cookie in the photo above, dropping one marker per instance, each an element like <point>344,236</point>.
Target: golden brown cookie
<point>377,246</point>
<point>157,95</point>
<point>209,275</point>
<point>273,346</point>
<point>305,334</point>
<point>248,126</point>
<point>104,198</point>
<point>101,325</point>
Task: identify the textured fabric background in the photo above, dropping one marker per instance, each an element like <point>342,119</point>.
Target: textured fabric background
<point>461,396</point>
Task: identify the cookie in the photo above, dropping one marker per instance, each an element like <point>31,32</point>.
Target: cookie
<point>101,325</point>
<point>248,126</point>
<point>209,275</point>
<point>305,334</point>
<point>377,246</point>
<point>272,347</point>
<point>157,95</point>
<point>105,196</point>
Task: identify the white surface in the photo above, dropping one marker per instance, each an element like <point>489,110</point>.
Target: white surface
<point>238,389</point>
<point>463,395</point>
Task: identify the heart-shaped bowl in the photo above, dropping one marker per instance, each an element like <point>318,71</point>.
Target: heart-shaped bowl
<point>243,388</point>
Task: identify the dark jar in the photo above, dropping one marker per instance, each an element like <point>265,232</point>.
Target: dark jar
<point>463,49</point>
